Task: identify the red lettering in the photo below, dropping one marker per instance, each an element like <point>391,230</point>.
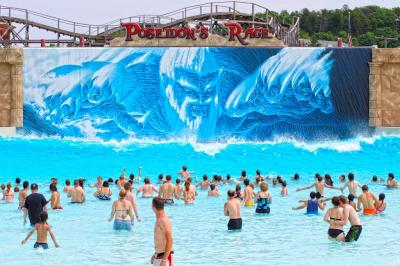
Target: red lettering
<point>234,31</point>
<point>129,33</point>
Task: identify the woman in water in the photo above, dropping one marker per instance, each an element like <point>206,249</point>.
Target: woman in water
<point>335,231</point>
<point>147,189</point>
<point>104,193</point>
<point>188,195</point>
<point>328,180</point>
<point>238,192</point>
<point>55,198</point>
<point>122,212</point>
<point>263,199</point>
<point>284,191</point>
<point>381,204</point>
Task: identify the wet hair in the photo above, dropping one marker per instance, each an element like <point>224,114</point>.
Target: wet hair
<point>187,186</point>
<point>374,178</point>
<point>127,186</point>
<point>238,187</point>
<point>161,176</point>
<point>382,197</point>
<point>351,197</point>
<point>279,178</point>
<point>246,182</point>
<point>258,172</point>
<point>212,186</point>
<point>284,184</point>
<point>391,175</point>
<point>43,217</point>
<point>184,168</point>
<point>274,181</point>
<point>335,201</point>
<point>296,176</point>
<point>25,184</point>
<point>177,181</point>
<point>228,177</point>
<point>34,186</point>
<point>205,177</point>
<point>17,180</point>
<point>189,179</point>
<point>350,176</point>
<point>67,182</point>
<point>263,186</point>
<point>105,184</point>
<point>317,175</point>
<point>319,178</point>
<point>168,178</point>
<point>244,173</point>
<point>16,189</point>
<point>219,178</point>
<point>231,193</point>
<point>80,182</point>
<point>215,177</point>
<point>9,185</point>
<point>122,194</point>
<point>131,176</point>
<point>312,195</point>
<point>3,186</point>
<point>318,195</point>
<point>53,187</point>
<point>110,180</point>
<point>147,181</point>
<point>364,188</point>
<point>116,181</point>
<point>343,199</point>
<point>158,203</point>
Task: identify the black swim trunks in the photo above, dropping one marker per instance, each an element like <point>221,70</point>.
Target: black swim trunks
<point>235,224</point>
<point>354,233</point>
<point>42,245</point>
<point>334,232</point>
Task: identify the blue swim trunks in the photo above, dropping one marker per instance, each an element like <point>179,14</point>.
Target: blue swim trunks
<point>41,245</point>
<point>122,225</point>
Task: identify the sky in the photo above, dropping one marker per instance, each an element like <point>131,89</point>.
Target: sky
<point>102,11</point>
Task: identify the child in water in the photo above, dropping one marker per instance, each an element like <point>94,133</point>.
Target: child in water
<point>381,204</point>
<point>42,228</point>
<point>351,201</point>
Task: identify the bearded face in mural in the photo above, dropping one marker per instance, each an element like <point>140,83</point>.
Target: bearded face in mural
<point>190,83</point>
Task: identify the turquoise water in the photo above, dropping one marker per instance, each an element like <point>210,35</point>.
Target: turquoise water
<point>200,235</point>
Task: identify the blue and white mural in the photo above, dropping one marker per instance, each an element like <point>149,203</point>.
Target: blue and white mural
<point>209,94</point>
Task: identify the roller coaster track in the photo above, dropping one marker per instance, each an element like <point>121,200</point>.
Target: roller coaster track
<point>211,14</point>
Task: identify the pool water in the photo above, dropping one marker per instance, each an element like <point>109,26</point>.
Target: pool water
<point>200,235</point>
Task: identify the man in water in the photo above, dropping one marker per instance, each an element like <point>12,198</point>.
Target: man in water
<point>232,209</point>
<point>205,184</point>
<point>350,214</point>
<point>163,242</point>
<point>351,185</point>
<point>147,189</point>
<point>184,173</point>
<point>34,205</point>
<point>391,183</point>
<point>77,193</point>
<point>319,186</point>
<point>23,194</point>
<point>167,191</point>
<point>178,189</point>
<point>368,201</point>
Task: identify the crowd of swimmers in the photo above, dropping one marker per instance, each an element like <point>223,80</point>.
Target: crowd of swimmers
<point>344,209</point>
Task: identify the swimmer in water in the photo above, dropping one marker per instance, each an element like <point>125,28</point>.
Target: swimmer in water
<point>122,212</point>
<point>104,193</point>
<point>349,214</point>
<point>189,195</point>
<point>342,178</point>
<point>274,181</point>
<point>263,199</point>
<point>391,182</point>
<point>8,193</point>
<point>319,186</point>
<point>160,179</point>
<point>296,177</point>
<point>213,192</point>
<point>368,201</point>
<point>284,191</point>
<point>23,194</point>
<point>178,189</point>
<point>55,198</point>
<point>332,216</point>
<point>243,175</point>
<point>184,173</point>
<point>77,193</point>
<point>205,184</point>
<point>328,179</point>
<point>229,180</point>
<point>238,192</point>
<point>42,228</point>
<point>130,197</point>
<point>248,194</point>
<point>260,177</point>
<point>98,184</point>
<point>232,209</point>
<point>352,185</point>
<point>312,205</point>
<point>351,201</point>
<point>375,179</point>
<point>167,191</point>
<point>381,204</point>
<point>147,189</point>
<point>67,187</point>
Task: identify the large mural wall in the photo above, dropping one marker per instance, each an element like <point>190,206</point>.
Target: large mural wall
<point>208,94</point>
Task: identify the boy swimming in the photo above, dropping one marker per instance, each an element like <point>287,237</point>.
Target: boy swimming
<point>42,228</point>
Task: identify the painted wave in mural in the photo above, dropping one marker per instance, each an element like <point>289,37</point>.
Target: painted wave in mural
<point>209,94</point>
